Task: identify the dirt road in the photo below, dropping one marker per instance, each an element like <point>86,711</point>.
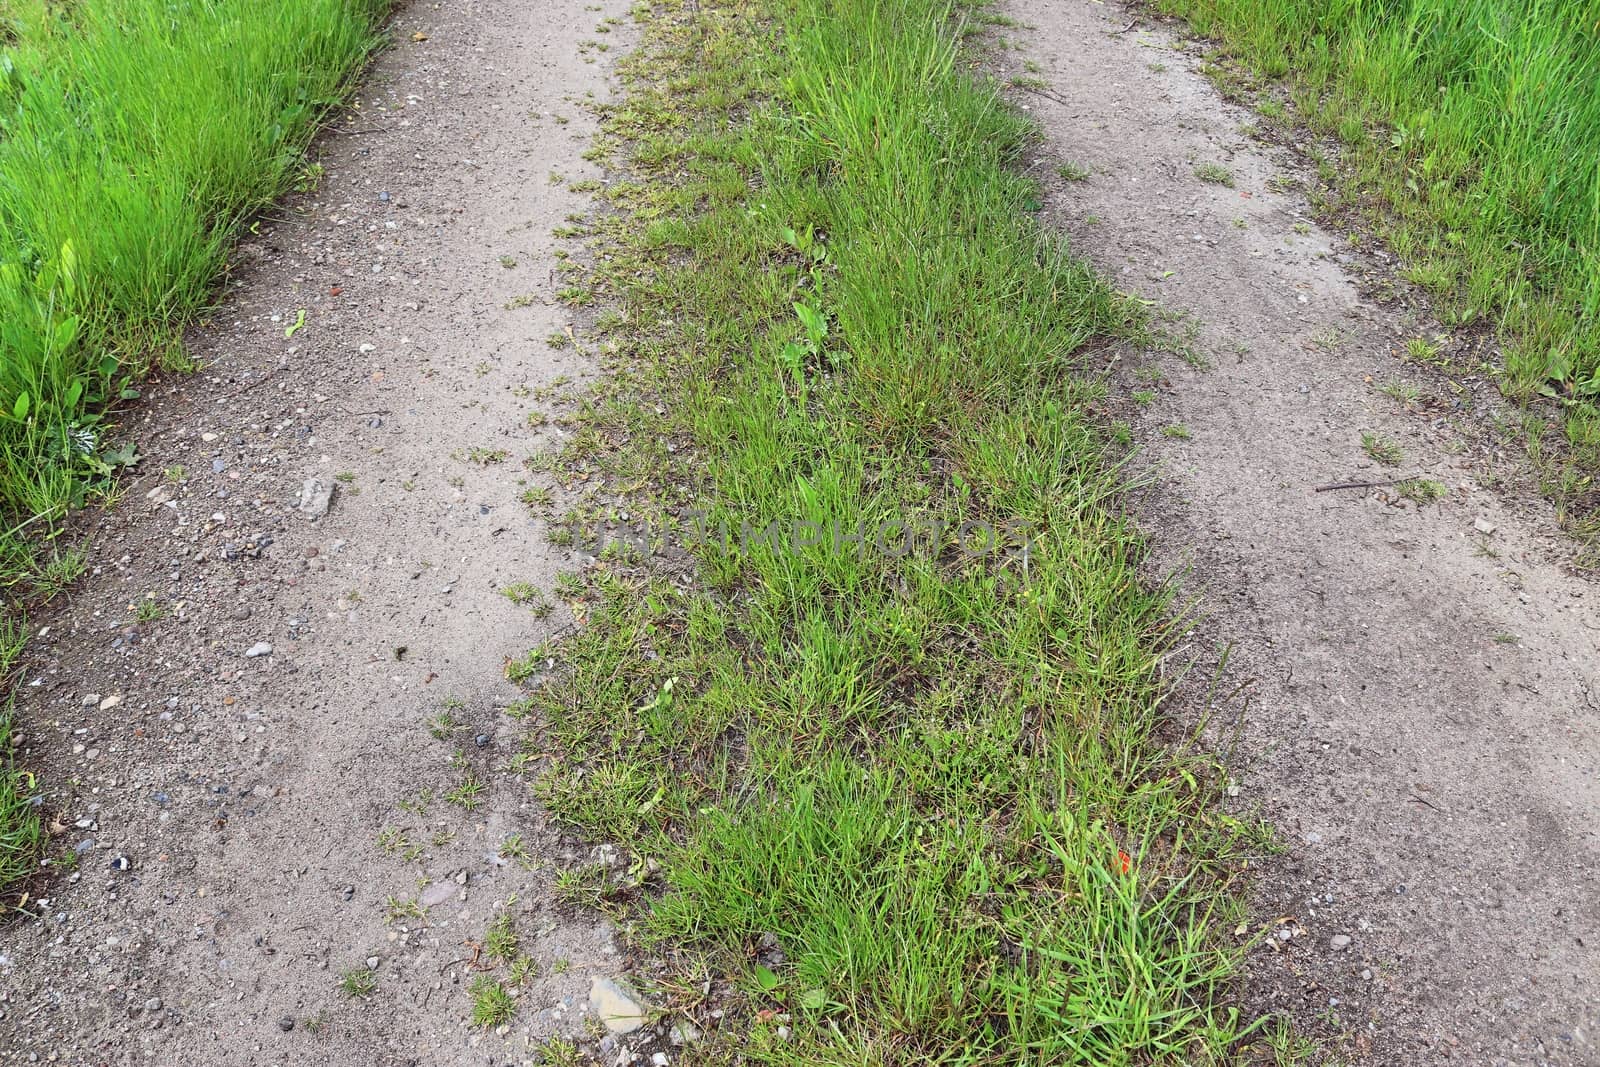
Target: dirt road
<point>257,780</point>
<point>1423,721</point>
<point>285,780</point>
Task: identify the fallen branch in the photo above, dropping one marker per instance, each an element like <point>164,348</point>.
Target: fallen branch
<point>1360,485</point>
<point>1046,93</point>
<point>1429,803</point>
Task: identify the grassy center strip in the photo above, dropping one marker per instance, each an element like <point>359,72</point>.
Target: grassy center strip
<point>881,724</point>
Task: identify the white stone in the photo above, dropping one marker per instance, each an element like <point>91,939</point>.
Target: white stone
<point>615,1007</point>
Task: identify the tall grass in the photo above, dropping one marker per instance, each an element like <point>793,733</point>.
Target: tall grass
<point>1472,130</point>
<point>135,138</point>
<point>931,778</point>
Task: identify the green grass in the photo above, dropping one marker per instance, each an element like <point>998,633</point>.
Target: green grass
<point>1471,144</point>
<point>1421,491</point>
<point>138,137</point>
<point>22,836</point>
<point>528,595</point>
<point>492,1003</point>
<point>358,982</point>
<point>1384,449</point>
<point>940,778</point>
<point>500,941</point>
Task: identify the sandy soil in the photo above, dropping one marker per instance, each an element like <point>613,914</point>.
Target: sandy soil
<point>1422,725</point>
<point>228,803</point>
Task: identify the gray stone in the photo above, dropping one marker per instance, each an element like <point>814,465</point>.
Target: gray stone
<point>260,648</point>
<point>436,894</point>
<point>1339,942</point>
<point>316,497</point>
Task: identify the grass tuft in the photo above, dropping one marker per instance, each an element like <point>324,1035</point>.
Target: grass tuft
<point>358,982</point>
<point>1384,450</point>
<point>500,942</point>
<point>1421,491</point>
<point>492,1003</point>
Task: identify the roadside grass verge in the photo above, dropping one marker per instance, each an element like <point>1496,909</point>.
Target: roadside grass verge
<point>908,802</point>
<point>1468,136</point>
<point>136,138</point>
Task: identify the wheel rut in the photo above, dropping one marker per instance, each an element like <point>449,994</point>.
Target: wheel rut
<point>1422,722</point>
<point>295,767</point>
